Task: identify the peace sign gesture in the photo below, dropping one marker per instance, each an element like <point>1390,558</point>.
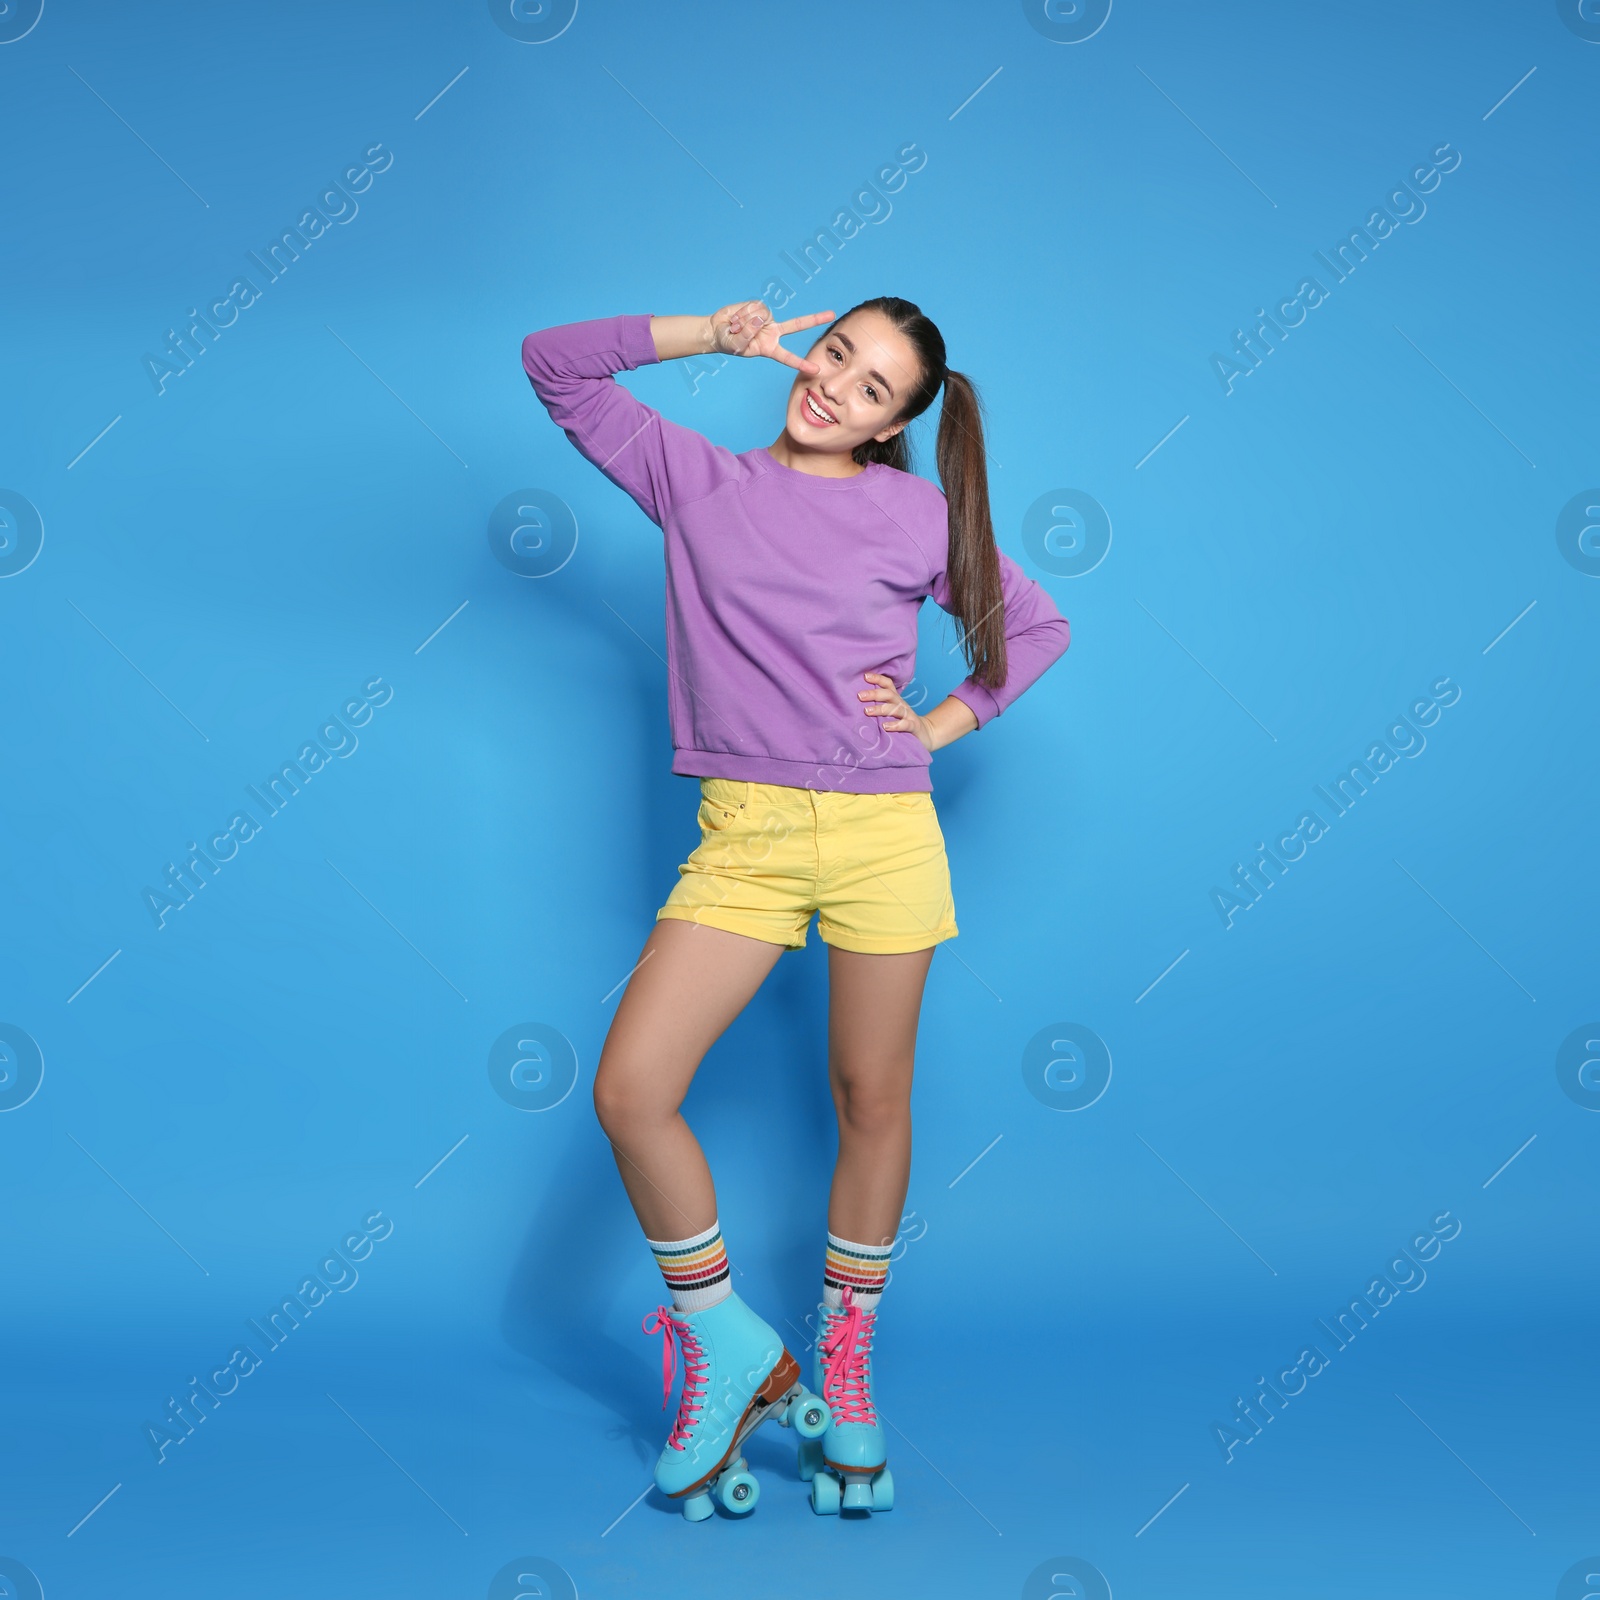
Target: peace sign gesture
<point>746,328</point>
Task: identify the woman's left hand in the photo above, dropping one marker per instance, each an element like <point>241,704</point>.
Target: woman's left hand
<point>884,701</point>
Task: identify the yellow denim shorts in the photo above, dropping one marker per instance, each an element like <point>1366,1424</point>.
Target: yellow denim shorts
<point>872,866</point>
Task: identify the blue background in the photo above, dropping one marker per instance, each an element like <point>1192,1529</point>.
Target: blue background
<point>304,1042</point>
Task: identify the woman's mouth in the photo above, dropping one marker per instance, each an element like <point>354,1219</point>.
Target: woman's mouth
<point>815,414</point>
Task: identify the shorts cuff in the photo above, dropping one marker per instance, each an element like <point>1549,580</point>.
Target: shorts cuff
<point>900,945</point>
<point>732,922</point>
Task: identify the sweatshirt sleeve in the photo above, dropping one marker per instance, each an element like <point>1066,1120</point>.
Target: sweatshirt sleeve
<point>1036,636</point>
<point>659,463</point>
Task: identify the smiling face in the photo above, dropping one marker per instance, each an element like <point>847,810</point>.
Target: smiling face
<point>868,370</point>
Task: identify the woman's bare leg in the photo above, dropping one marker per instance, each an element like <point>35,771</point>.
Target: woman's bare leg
<point>692,981</point>
<point>873,1003</point>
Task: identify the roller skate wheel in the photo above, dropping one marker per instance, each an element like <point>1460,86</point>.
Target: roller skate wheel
<point>808,1416</point>
<point>825,1494</point>
<point>738,1492</point>
<point>858,1495</point>
<point>883,1491</point>
<point>810,1459</point>
<point>697,1507</point>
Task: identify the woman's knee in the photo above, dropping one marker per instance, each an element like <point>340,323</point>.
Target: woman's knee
<point>871,1110</point>
<point>624,1100</point>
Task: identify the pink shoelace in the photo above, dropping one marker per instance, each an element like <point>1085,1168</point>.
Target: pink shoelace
<point>662,1321</point>
<point>846,1346</point>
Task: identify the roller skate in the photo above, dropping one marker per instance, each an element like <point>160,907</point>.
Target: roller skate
<point>846,1466</point>
<point>736,1374</point>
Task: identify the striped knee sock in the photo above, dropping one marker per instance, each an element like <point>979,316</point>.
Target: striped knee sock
<point>696,1269</point>
<point>862,1267</point>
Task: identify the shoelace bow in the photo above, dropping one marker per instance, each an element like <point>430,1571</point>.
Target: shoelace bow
<point>845,1349</point>
<point>662,1321</point>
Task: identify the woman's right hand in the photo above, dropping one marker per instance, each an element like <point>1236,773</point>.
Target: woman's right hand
<point>747,328</point>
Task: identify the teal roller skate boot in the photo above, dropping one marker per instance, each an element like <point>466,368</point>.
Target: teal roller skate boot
<point>736,1374</point>
<point>847,1465</point>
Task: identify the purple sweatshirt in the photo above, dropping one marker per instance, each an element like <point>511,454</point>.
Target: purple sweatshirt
<point>783,588</point>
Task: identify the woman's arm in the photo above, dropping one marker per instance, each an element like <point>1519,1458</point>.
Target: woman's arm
<point>682,336</point>
<point>1037,635</point>
<point>659,463</point>
<point>950,720</point>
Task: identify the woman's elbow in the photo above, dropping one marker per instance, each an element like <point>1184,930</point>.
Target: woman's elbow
<point>533,356</point>
<point>1056,632</point>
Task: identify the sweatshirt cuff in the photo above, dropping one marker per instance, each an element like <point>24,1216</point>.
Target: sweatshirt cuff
<point>982,704</point>
<point>637,346</point>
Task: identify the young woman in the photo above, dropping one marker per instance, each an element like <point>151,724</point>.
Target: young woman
<point>794,575</point>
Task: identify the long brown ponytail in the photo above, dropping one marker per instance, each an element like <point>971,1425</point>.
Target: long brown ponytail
<point>973,561</point>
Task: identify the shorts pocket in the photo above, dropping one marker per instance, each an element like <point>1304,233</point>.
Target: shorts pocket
<point>723,801</point>
<point>913,800</point>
